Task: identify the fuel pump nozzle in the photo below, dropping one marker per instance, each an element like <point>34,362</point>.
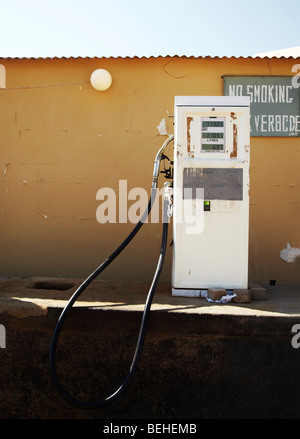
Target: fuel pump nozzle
<point>157,161</point>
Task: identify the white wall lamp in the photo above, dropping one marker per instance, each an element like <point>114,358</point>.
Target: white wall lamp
<point>101,79</point>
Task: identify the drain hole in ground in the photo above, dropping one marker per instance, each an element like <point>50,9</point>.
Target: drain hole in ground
<point>46,285</point>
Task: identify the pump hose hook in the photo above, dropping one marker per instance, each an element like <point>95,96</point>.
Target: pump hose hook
<point>143,328</point>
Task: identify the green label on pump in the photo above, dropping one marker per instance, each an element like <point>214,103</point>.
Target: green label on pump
<point>206,206</point>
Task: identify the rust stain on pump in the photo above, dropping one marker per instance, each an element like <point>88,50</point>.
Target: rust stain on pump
<point>189,120</point>
<point>234,149</point>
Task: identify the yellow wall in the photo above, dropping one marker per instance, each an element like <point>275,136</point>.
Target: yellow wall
<point>63,142</point>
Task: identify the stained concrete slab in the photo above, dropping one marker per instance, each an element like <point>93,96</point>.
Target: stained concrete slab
<point>34,296</point>
<point>200,360</point>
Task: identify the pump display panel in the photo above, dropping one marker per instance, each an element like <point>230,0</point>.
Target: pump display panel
<point>213,134</point>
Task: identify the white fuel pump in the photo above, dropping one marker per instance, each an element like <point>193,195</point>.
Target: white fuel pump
<point>210,193</point>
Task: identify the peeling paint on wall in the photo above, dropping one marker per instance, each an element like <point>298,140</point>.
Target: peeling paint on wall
<point>162,128</point>
<point>5,168</point>
<point>289,254</point>
<point>2,77</point>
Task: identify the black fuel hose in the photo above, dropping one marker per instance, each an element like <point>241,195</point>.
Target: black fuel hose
<point>141,338</point>
<point>143,328</point>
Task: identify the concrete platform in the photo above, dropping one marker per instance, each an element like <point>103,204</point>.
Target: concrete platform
<point>34,296</point>
<point>200,360</point>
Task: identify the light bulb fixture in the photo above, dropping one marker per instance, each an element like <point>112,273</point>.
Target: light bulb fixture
<point>101,79</point>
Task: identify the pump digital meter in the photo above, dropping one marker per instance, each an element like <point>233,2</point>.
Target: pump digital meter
<point>213,134</point>
<point>210,193</point>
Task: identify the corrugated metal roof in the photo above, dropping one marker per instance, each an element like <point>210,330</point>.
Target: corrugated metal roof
<point>258,56</point>
<point>290,52</point>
